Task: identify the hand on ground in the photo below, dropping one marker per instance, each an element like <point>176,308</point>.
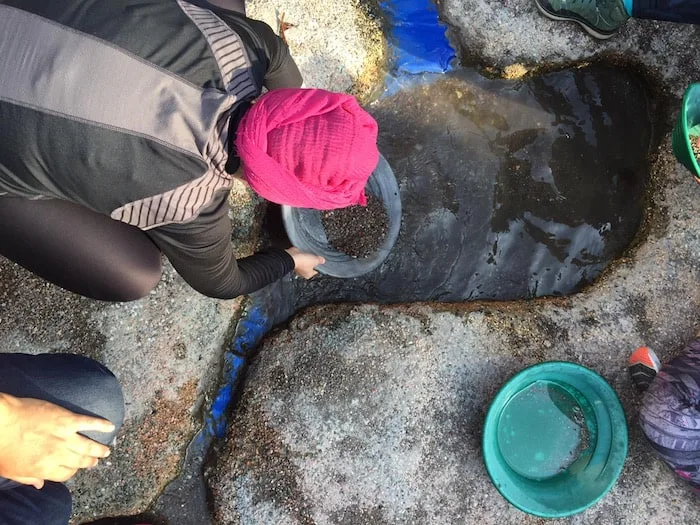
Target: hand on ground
<point>39,441</point>
<point>304,263</point>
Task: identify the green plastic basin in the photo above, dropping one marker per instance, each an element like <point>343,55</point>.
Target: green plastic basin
<point>687,126</point>
<point>555,439</point>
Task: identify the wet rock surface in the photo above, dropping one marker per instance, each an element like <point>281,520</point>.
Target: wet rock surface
<point>357,414</point>
<point>365,414</point>
<point>373,415</point>
<point>509,189</point>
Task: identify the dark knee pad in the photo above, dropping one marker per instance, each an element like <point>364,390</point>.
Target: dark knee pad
<point>61,504</point>
<point>103,396</point>
<point>22,505</point>
<point>76,383</point>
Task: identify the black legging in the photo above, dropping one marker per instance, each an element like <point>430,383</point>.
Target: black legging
<point>78,249</point>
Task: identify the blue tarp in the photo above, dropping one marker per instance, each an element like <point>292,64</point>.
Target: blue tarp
<point>418,37</point>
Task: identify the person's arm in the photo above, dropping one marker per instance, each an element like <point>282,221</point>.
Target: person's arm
<point>202,253</point>
<point>40,441</point>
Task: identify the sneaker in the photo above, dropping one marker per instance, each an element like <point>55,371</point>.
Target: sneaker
<point>601,18</point>
<point>643,367</point>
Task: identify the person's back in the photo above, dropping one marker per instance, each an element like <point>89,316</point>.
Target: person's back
<point>121,106</point>
<point>118,120</point>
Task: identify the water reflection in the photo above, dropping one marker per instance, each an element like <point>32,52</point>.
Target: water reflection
<point>510,189</point>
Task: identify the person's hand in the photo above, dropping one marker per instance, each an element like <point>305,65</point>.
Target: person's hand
<point>39,441</point>
<point>304,263</point>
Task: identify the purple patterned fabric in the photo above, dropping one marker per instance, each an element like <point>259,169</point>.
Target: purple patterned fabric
<point>670,414</point>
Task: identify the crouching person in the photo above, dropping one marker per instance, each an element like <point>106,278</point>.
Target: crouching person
<point>670,412</point>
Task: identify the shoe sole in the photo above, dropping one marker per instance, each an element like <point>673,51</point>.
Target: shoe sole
<point>643,366</point>
<point>587,28</point>
<point>641,375</point>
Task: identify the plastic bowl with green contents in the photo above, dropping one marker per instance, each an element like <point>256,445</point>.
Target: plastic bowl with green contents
<point>687,129</point>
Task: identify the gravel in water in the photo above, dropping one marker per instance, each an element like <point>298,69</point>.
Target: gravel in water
<point>357,231</point>
<point>695,144</point>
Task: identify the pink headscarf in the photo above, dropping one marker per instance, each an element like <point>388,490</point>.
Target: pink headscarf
<point>308,148</point>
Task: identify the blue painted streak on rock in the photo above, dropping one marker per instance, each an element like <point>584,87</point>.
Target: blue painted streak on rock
<point>418,38</point>
<point>251,329</point>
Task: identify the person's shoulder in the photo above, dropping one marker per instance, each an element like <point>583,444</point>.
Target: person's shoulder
<point>256,35</point>
<point>271,51</point>
<point>239,22</point>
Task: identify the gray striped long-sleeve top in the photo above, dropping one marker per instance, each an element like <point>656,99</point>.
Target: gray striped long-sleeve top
<point>128,108</point>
